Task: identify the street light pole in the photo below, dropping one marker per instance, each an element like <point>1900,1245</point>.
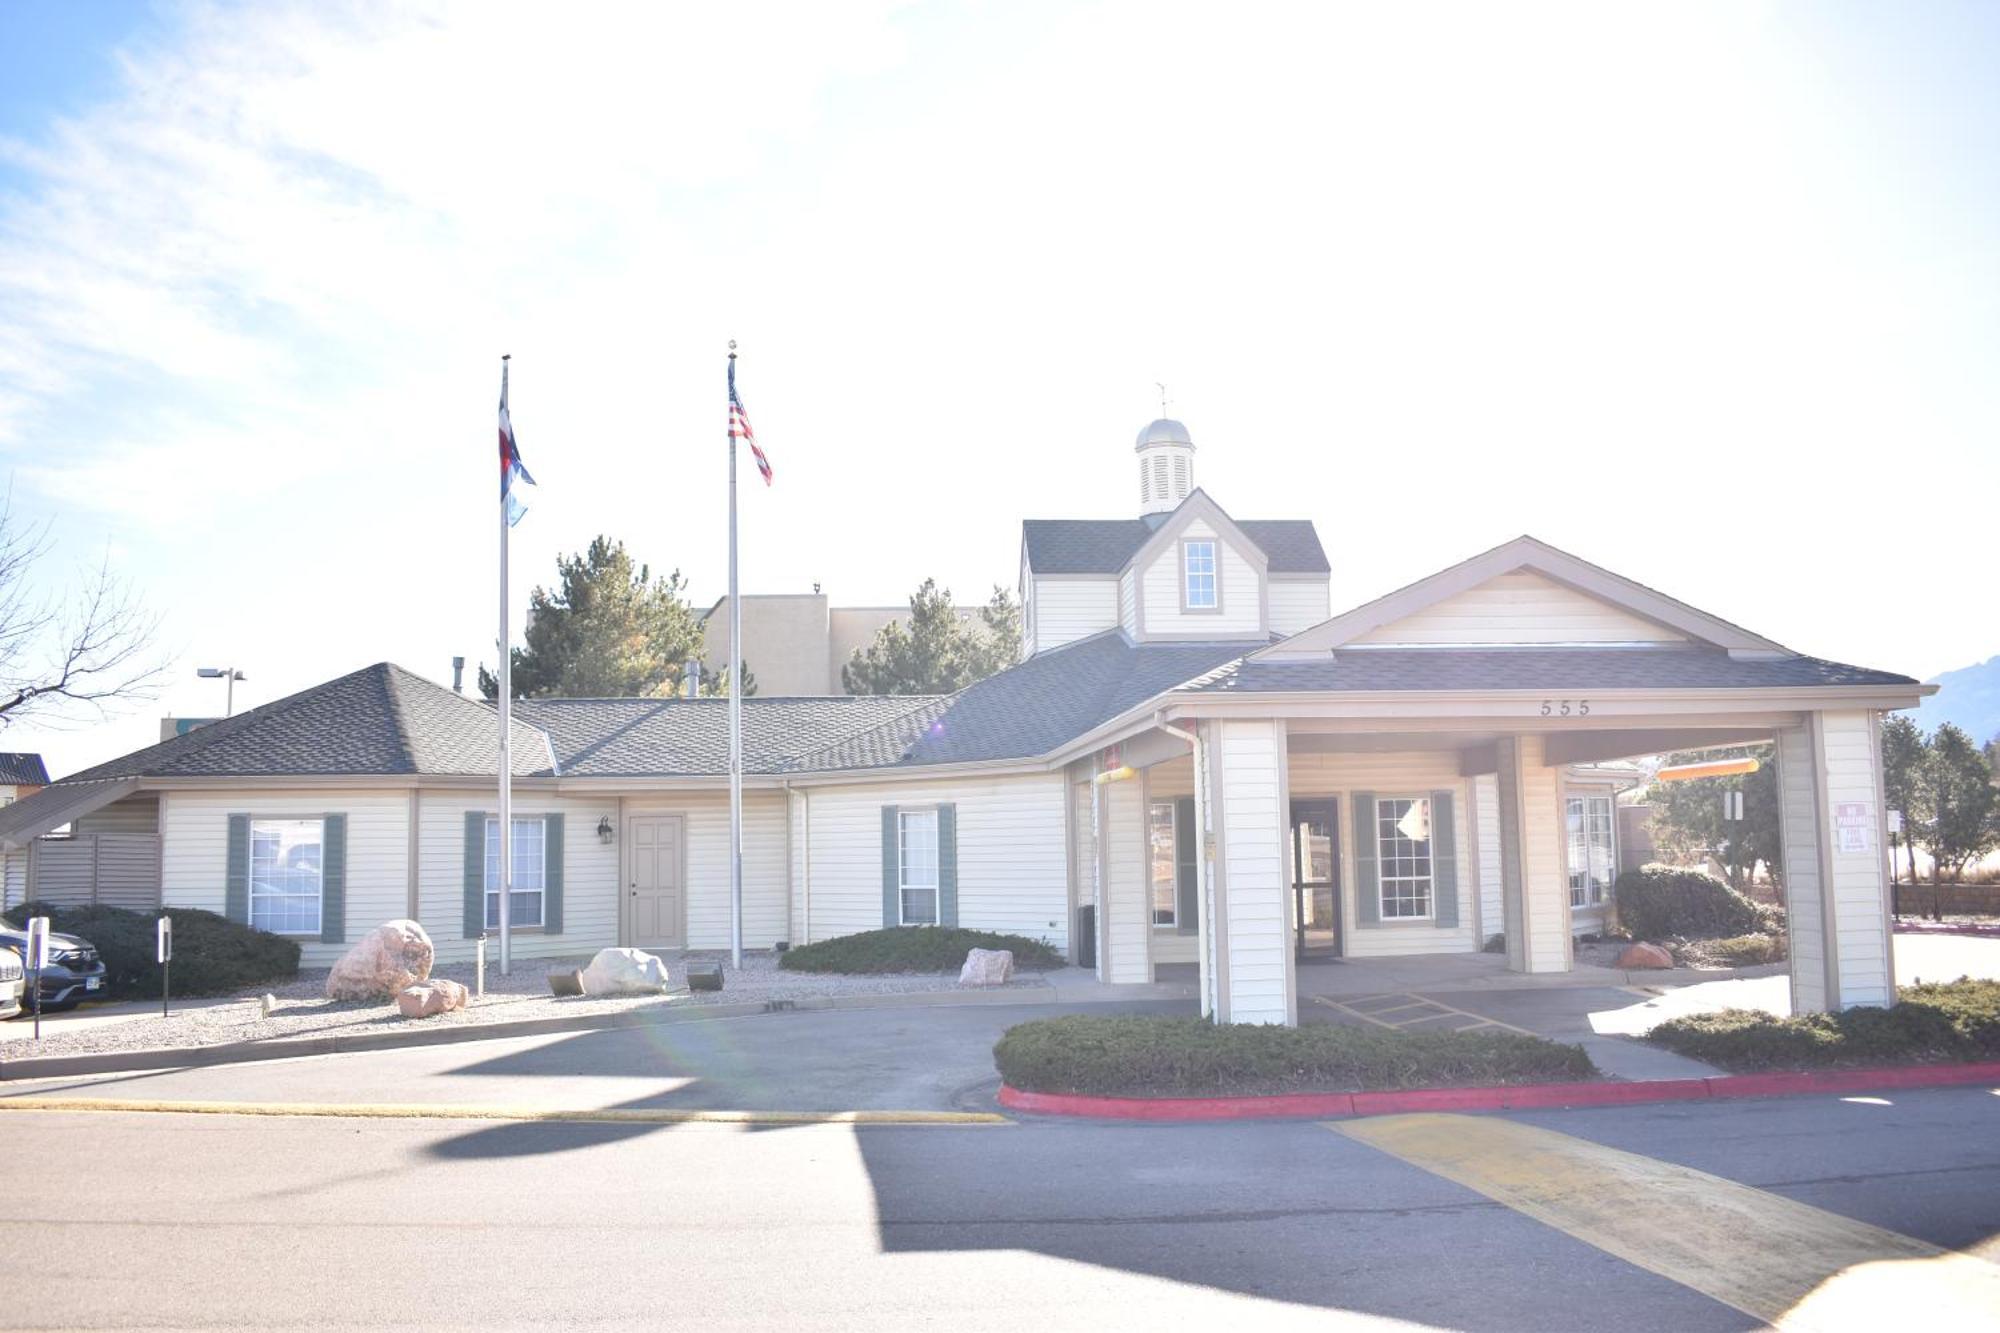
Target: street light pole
<point>229,675</point>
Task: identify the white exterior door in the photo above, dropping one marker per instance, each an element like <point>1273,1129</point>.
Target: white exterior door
<point>657,895</point>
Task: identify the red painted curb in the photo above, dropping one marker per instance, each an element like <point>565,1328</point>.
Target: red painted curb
<point>1179,1108</point>
<point>1530,1095</point>
<point>1514,1097</point>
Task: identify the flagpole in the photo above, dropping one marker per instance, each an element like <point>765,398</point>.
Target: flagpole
<point>735,713</point>
<point>506,821</point>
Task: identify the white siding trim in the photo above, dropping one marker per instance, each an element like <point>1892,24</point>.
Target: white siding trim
<point>1011,860</point>
<point>1258,985</point>
<point>1521,608</point>
<point>1070,609</point>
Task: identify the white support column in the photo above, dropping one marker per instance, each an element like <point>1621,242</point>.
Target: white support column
<point>1126,932</point>
<point>1254,938</point>
<point>1836,891</point>
<point>1534,879</point>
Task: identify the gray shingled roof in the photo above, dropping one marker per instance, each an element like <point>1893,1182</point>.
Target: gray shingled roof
<point>1030,709</point>
<point>378,720</point>
<point>1537,669</point>
<point>1107,545</point>
<point>688,737</point>
<point>23,768</point>
<point>383,720</point>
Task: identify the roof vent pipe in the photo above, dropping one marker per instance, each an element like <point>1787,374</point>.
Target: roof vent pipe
<point>458,675</point>
<point>691,678</point>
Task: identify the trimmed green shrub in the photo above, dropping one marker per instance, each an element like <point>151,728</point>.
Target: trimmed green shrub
<point>914,949</point>
<point>212,954</point>
<point>1736,951</point>
<point>1949,1021</point>
<point>1147,1056</point>
<point>1661,902</point>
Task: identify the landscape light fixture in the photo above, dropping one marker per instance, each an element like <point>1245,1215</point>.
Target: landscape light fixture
<point>229,674</point>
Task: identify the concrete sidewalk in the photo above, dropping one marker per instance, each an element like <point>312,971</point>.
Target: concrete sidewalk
<point>90,1017</point>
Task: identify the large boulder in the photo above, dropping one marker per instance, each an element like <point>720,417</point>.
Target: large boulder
<point>987,967</point>
<point>624,972</point>
<point>389,958</point>
<point>437,996</point>
<point>1645,956</point>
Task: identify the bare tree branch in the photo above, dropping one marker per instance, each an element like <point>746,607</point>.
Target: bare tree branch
<point>58,661</point>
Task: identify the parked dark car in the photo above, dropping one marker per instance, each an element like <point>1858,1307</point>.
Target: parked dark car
<point>75,972</point>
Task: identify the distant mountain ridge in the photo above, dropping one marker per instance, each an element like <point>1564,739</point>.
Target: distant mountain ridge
<point>1968,697</point>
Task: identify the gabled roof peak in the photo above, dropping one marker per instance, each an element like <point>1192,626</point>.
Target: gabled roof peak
<point>1528,553</point>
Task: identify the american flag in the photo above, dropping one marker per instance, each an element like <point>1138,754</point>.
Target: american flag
<point>511,467</point>
<point>739,424</point>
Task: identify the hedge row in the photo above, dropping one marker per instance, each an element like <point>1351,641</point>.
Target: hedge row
<point>212,954</point>
<point>914,949</point>
<point>1145,1056</point>
<point>1949,1021</point>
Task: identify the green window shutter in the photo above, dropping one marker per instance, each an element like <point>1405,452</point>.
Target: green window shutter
<point>333,879</point>
<point>475,874</point>
<point>236,878</point>
<point>947,865</point>
<point>1187,877</point>
<point>552,874</point>
<point>1444,862</point>
<point>892,877</point>
<point>1367,875</point>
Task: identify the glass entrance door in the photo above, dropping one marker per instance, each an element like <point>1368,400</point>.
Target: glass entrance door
<point>1315,866</point>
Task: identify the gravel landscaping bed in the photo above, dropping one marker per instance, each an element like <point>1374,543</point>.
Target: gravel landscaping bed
<point>302,1009</point>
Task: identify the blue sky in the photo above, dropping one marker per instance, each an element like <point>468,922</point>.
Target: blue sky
<point>1703,293</point>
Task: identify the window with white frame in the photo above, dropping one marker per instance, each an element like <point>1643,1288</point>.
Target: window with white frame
<point>1164,865</point>
<point>530,873</point>
<point>1198,559</point>
<point>1592,861</point>
<point>1403,856</point>
<point>285,878</point>
<point>918,866</point>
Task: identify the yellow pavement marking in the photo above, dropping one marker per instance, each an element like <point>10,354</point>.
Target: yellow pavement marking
<point>1791,1265</point>
<point>661,1115</point>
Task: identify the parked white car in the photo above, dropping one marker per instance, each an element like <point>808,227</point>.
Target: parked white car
<point>13,983</point>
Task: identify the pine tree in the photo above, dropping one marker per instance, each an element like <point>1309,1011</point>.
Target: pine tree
<point>608,629</point>
<point>934,650</point>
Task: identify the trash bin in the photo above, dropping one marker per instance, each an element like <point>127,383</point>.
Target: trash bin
<point>1086,935</point>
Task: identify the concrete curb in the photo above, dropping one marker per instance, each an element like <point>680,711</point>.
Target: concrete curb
<point>1520,1097</point>
<point>291,1048</point>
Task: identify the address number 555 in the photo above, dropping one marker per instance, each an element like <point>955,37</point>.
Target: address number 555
<point>1565,708</point>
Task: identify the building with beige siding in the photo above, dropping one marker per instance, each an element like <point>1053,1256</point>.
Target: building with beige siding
<point>1195,762</point>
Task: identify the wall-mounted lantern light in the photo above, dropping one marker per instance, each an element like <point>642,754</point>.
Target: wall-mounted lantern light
<point>604,833</point>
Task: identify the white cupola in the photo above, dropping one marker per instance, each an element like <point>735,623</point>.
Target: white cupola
<point>1166,466</point>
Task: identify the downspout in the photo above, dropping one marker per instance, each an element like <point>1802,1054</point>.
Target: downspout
<point>791,859</point>
<point>802,830</point>
<point>1208,970</point>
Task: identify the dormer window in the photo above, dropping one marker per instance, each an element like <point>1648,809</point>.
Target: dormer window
<point>1198,590</point>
